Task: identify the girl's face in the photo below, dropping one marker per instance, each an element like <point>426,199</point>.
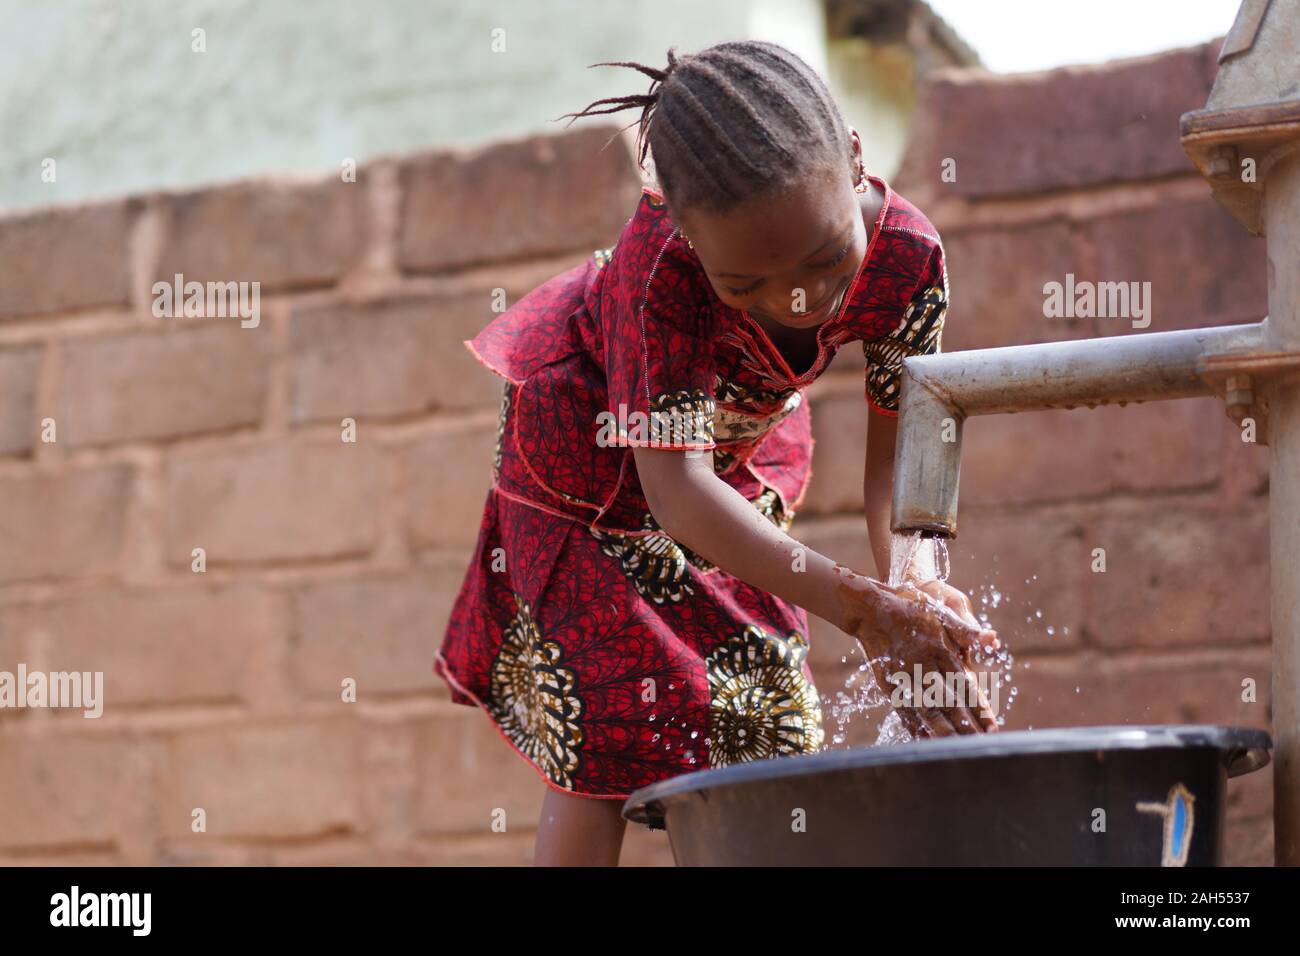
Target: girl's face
<point>787,259</point>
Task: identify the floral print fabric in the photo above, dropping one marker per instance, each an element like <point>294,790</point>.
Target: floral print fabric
<point>608,654</point>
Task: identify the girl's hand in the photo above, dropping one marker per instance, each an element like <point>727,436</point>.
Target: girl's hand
<point>902,627</point>
<point>946,594</point>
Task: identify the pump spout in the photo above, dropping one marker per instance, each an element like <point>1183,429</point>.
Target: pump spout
<point>939,392</point>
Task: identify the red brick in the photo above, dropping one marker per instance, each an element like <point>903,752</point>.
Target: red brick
<point>66,857</point>
<point>391,358</point>
<point>13,649</point>
<point>1030,563</point>
<point>1251,795</point>
<point>20,370</point>
<point>645,847</point>
<point>448,475</point>
<point>299,498</point>
<point>178,645</point>
<point>1246,467</point>
<point>148,385</point>
<point>383,632</point>
<point>1179,575</point>
<point>465,771</point>
<point>849,360</point>
<point>1059,455</point>
<point>1204,268</point>
<point>281,234</point>
<point>494,849</point>
<point>839,420</point>
<point>1088,690</point>
<point>387,774</point>
<point>996,280</point>
<point>264,781</point>
<point>578,193</point>
<point>1247,842</point>
<point>1067,128</point>
<point>88,792</point>
<point>61,259</point>
<point>198,850</point>
<point>63,524</point>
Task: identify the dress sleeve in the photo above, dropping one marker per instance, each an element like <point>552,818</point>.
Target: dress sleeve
<point>919,332</point>
<point>659,343</point>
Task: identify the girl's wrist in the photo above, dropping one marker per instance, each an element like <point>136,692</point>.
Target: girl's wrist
<point>852,598</point>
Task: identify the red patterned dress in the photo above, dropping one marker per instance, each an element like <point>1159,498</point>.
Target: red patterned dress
<point>606,653</point>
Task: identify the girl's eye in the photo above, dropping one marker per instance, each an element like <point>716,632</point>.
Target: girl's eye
<point>839,257</point>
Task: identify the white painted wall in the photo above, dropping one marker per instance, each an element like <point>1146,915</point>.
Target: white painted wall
<point>113,93</point>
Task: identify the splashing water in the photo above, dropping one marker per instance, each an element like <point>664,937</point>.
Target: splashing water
<point>862,696</point>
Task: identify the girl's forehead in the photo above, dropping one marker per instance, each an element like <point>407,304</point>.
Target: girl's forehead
<point>775,232</point>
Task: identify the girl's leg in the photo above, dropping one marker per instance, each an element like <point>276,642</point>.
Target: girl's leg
<point>578,831</point>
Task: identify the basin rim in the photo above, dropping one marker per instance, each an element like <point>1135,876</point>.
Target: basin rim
<point>1245,749</point>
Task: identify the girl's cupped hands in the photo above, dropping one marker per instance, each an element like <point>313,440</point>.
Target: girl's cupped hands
<point>918,631</point>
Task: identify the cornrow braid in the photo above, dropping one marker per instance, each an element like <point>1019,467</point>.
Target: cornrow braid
<point>732,123</point>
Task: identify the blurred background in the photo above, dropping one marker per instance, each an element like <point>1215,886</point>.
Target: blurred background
<point>181,508</point>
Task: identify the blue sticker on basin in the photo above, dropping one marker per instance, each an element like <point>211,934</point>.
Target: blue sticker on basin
<point>1179,817</point>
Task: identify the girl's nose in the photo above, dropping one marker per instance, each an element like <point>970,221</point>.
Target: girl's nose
<point>801,299</point>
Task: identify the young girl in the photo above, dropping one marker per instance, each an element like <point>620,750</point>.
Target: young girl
<point>635,608</point>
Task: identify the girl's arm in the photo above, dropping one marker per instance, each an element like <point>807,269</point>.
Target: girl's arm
<point>897,627</point>
<point>700,510</point>
<point>878,486</point>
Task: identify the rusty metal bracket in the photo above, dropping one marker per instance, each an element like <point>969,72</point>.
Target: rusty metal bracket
<point>1241,380</point>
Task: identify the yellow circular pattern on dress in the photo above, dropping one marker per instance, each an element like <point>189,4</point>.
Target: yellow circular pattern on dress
<point>762,704</point>
<point>533,698</point>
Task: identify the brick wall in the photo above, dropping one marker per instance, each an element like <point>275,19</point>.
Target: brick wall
<point>325,559</point>
<point>328,559</point>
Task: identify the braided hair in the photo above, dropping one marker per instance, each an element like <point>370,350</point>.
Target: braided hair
<point>731,123</point>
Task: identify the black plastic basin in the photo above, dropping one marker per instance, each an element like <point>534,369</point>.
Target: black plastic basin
<point>1110,796</point>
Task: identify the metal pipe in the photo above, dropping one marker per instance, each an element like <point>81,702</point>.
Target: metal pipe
<point>1282,226</point>
<point>939,392</point>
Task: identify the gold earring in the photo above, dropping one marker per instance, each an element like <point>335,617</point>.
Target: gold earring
<point>861,185</point>
<point>684,236</point>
